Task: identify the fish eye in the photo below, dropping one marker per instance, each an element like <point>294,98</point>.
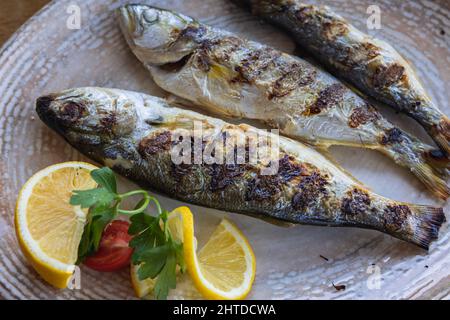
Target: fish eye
<point>150,17</point>
<point>72,111</point>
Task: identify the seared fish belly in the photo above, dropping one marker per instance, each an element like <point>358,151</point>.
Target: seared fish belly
<point>133,133</point>
<point>369,64</point>
<point>235,77</point>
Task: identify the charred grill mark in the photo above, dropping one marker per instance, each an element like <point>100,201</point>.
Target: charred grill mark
<point>310,190</point>
<point>328,97</point>
<point>262,187</point>
<point>386,76</point>
<point>178,171</point>
<point>72,111</point>
<point>395,216</point>
<point>108,121</point>
<point>223,175</point>
<point>155,144</point>
<point>202,56</point>
<point>219,50</point>
<point>228,46</point>
<point>293,75</point>
<point>304,14</point>
<point>359,55</point>
<point>288,169</point>
<point>356,202</point>
<point>333,29</point>
<point>393,135</point>
<point>362,115</point>
<point>202,60</point>
<point>255,62</point>
<point>369,50</point>
<point>193,32</point>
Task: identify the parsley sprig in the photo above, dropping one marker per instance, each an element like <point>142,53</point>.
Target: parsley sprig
<point>155,250</point>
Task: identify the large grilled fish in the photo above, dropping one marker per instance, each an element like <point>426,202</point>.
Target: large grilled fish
<point>235,77</point>
<point>369,64</point>
<point>134,134</point>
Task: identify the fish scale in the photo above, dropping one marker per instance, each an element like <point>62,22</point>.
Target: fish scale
<point>118,128</point>
<point>370,64</point>
<point>231,76</point>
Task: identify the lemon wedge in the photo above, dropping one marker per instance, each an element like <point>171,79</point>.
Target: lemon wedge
<point>223,269</point>
<point>142,288</point>
<point>48,228</point>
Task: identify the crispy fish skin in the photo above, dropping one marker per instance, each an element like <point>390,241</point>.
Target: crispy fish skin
<point>235,77</point>
<point>370,64</point>
<point>132,133</point>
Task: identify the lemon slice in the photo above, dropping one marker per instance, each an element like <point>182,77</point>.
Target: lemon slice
<point>142,288</point>
<point>223,269</point>
<point>48,228</point>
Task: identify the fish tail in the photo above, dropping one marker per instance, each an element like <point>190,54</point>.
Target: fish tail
<point>441,134</point>
<point>427,164</point>
<point>417,224</point>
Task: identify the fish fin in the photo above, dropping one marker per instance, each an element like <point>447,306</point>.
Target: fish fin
<point>432,181</point>
<point>178,101</point>
<point>441,134</point>
<point>428,165</point>
<point>323,149</point>
<point>423,225</point>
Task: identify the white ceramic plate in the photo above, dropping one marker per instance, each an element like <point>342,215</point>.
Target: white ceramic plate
<point>45,56</point>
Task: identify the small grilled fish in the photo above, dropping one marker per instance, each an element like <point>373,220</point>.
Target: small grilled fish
<point>134,134</point>
<point>235,77</point>
<point>370,64</point>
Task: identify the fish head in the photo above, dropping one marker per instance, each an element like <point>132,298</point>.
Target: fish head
<point>158,36</point>
<point>88,116</point>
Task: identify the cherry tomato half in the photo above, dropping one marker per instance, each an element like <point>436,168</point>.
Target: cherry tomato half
<point>113,252</point>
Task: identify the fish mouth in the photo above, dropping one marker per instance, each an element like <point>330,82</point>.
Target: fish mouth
<point>131,15</point>
<point>43,104</point>
<point>58,112</point>
<point>46,113</point>
<point>127,18</point>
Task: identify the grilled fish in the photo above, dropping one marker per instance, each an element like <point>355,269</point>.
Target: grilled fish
<point>370,64</point>
<point>239,78</point>
<point>135,134</point>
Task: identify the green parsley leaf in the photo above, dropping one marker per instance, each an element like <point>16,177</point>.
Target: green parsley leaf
<point>106,178</point>
<point>155,251</point>
<point>167,279</point>
<point>140,222</point>
<point>155,260</point>
<point>98,218</point>
<point>91,197</point>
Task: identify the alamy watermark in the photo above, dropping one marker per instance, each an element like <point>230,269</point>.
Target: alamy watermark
<point>233,146</point>
<point>374,280</point>
<point>75,280</point>
<point>374,20</point>
<point>73,21</point>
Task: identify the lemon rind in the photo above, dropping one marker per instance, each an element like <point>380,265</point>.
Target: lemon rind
<point>25,239</point>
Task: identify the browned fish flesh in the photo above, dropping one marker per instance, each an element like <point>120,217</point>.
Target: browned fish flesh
<point>136,134</point>
<point>371,65</point>
<point>232,76</point>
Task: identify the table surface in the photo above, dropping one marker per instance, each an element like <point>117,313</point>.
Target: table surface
<point>14,13</point>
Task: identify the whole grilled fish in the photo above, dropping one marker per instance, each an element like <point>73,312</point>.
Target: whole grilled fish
<point>135,134</point>
<point>235,77</point>
<point>370,64</point>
